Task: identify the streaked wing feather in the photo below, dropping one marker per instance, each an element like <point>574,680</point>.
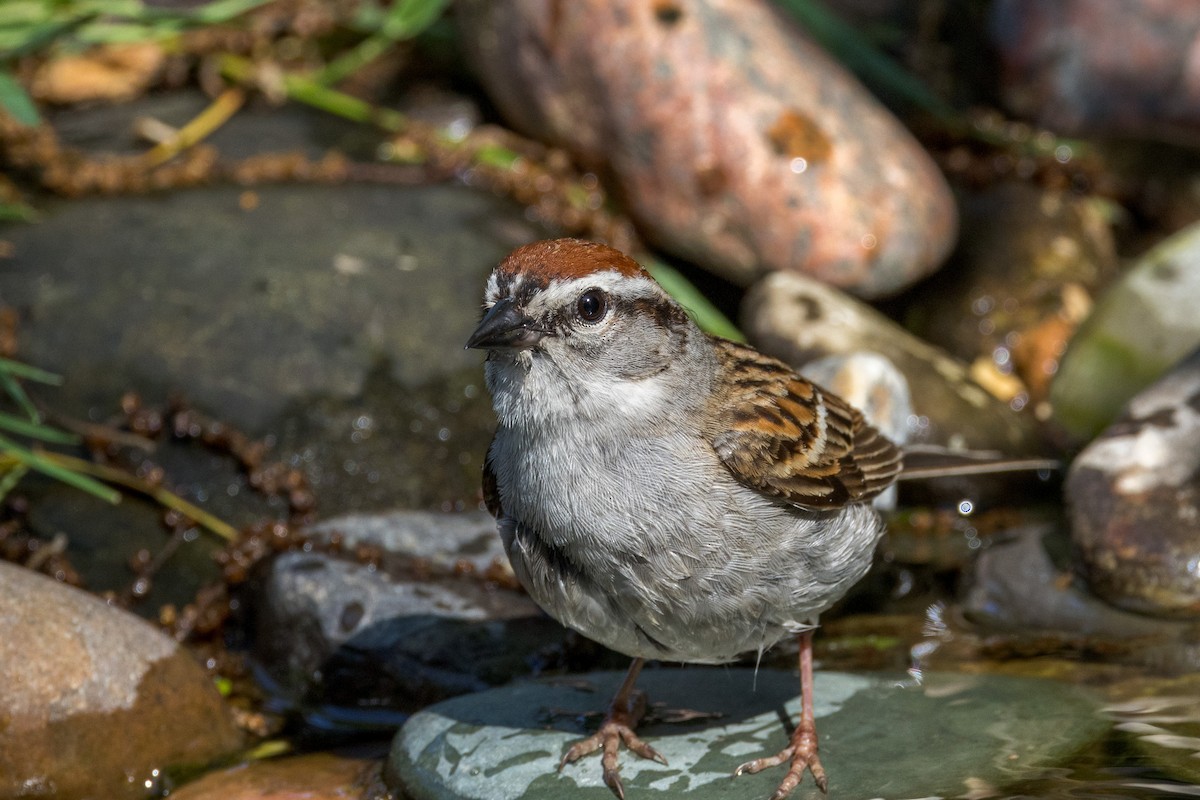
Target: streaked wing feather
<point>788,438</point>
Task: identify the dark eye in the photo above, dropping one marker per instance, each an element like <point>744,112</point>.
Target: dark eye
<point>592,305</point>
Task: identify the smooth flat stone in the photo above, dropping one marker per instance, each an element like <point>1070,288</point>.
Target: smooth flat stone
<point>881,736</point>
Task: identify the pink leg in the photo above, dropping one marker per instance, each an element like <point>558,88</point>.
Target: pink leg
<point>802,747</point>
<point>627,709</point>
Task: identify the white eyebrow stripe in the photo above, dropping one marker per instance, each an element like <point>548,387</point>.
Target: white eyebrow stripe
<point>558,294</point>
<point>492,293</point>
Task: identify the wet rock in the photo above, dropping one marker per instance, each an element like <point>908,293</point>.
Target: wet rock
<point>101,539</point>
<point>876,734</point>
<point>1095,68</point>
<point>1016,585</point>
<point>465,542</point>
<point>95,702</point>
<point>1023,277</point>
<point>1134,499</point>
<point>797,319</point>
<point>394,637</point>
<point>1139,329</point>
<point>734,140</point>
<point>318,776</point>
<point>337,334</point>
<point>202,302</point>
<point>330,318</point>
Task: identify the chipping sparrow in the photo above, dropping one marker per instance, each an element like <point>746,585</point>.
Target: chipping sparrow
<point>666,493</point>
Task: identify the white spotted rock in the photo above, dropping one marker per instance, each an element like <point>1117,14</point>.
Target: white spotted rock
<point>1134,496</point>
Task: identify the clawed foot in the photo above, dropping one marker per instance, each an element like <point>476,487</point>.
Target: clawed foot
<point>802,752</point>
<point>617,727</point>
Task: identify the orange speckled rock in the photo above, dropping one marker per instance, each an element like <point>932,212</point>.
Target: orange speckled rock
<point>735,141</point>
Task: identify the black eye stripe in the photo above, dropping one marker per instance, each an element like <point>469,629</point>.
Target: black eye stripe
<point>667,314</point>
<point>566,317</point>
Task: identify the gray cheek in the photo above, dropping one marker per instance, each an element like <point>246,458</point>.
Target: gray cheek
<point>645,366</point>
<point>633,351</point>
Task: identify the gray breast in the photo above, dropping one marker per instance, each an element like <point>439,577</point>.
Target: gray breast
<point>653,550</point>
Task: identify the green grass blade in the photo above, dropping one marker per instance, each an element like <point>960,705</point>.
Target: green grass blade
<point>706,315</point>
<point>354,59</point>
<point>20,40</point>
<point>23,427</point>
<point>23,13</point>
<point>220,11</point>
<point>17,212</point>
<point>106,31</point>
<point>33,461</point>
<point>10,478</point>
<point>496,156</point>
<point>28,372</point>
<point>861,56</point>
<point>407,18</point>
<point>159,494</point>
<point>17,392</point>
<point>16,102</point>
<point>404,20</point>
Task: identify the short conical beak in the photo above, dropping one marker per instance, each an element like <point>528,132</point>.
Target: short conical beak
<point>504,326</point>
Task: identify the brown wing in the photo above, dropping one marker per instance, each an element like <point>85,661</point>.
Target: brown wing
<point>786,437</point>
